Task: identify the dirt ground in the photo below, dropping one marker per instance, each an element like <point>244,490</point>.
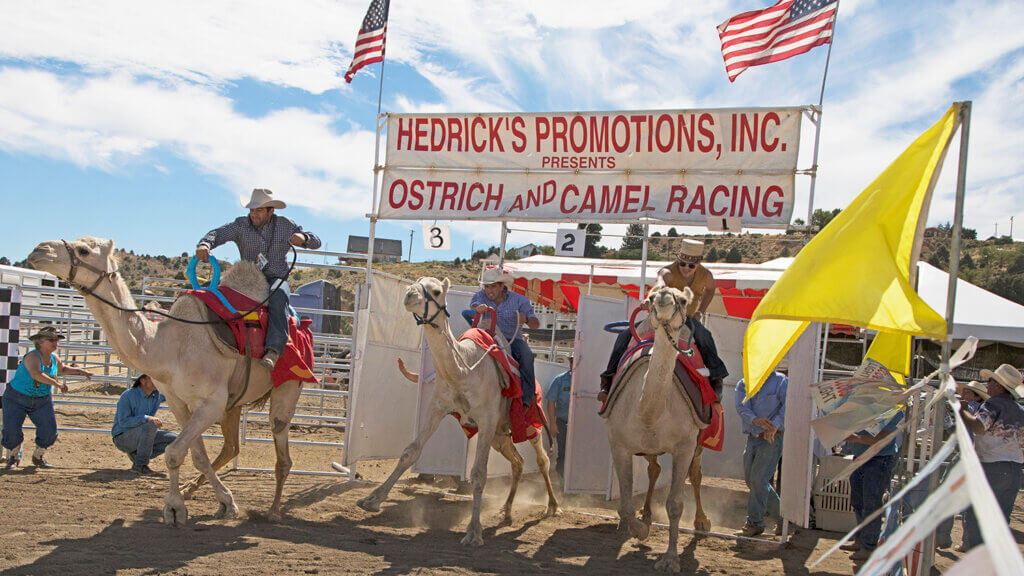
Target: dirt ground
<point>90,515</point>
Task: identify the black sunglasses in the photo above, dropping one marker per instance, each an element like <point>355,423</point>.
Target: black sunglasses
<point>687,264</point>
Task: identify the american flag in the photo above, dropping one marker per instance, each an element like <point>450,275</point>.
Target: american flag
<point>786,29</point>
<point>370,42</point>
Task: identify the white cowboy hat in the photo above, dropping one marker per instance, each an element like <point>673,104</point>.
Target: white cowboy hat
<point>975,387</point>
<point>1009,377</point>
<point>691,250</point>
<point>263,198</point>
<point>495,275</point>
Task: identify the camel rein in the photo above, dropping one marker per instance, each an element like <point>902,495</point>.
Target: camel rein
<point>689,343</point>
<point>76,262</point>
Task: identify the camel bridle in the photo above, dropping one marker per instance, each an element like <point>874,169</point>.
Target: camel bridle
<point>75,263</point>
<point>677,309</point>
<point>427,299</point>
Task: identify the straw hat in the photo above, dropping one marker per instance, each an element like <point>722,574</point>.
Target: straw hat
<point>1009,377</point>
<point>691,250</point>
<point>495,275</point>
<point>46,333</point>
<point>976,387</point>
<point>263,198</point>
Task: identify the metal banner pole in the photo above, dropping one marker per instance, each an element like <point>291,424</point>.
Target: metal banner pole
<point>817,126</point>
<point>501,251</point>
<point>643,266</point>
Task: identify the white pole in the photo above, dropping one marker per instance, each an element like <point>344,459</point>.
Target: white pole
<point>817,124</point>
<point>643,267</point>
<point>501,251</point>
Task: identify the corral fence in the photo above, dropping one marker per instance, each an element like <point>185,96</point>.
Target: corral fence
<point>47,302</point>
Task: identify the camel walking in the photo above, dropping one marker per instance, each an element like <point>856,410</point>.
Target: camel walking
<point>651,416</point>
<point>189,363</point>
<point>470,384</point>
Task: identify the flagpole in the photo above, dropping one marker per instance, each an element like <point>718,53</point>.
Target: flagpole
<point>817,125</point>
<point>376,169</point>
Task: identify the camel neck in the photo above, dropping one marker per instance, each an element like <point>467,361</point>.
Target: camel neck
<point>658,381</point>
<point>443,348</point>
<point>129,333</point>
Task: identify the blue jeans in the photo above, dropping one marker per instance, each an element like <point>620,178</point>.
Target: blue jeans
<point>867,487</point>
<point>702,339</point>
<point>39,410</point>
<point>143,442</point>
<point>563,433</point>
<point>760,459</point>
<point>522,354</point>
<point>277,321</point>
<point>1004,479</point>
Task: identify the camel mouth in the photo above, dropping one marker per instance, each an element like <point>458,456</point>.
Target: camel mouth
<point>41,255</point>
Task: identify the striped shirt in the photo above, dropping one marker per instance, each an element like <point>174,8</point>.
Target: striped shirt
<point>271,240</point>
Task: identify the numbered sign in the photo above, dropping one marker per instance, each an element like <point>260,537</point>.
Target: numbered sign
<point>436,237</point>
<point>570,242</point>
<point>724,224</point>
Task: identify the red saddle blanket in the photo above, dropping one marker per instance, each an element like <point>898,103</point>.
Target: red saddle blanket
<point>688,370</point>
<point>295,363</point>
<point>524,422</point>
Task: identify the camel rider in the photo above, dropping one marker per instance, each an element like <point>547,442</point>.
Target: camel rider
<point>685,271</point>
<point>513,310</point>
<point>264,237</point>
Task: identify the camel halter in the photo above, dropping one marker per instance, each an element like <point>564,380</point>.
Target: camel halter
<point>427,299</point>
<point>76,263</point>
<point>689,343</point>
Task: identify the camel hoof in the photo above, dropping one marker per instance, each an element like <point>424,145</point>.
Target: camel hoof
<point>668,563</point>
<point>175,516</point>
<point>225,511</point>
<point>702,524</point>
<point>188,490</point>
<point>552,511</point>
<point>370,504</point>
<point>639,530</point>
<point>471,539</point>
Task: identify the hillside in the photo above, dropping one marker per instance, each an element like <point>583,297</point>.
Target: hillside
<point>996,264</point>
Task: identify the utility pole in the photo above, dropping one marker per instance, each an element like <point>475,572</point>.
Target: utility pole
<point>410,246</point>
<point>997,230</point>
<point>1011,226</point>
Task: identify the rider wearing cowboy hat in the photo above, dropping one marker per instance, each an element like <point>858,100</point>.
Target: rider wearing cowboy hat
<point>998,437</point>
<point>264,238</point>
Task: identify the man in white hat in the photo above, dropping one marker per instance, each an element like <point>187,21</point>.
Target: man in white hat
<point>264,237</point>
<point>513,310</point>
<point>998,438</point>
<point>685,272</point>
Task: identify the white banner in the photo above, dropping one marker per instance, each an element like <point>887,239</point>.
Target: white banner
<point>675,166</point>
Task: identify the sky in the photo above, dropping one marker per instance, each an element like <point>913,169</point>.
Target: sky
<point>149,122</point>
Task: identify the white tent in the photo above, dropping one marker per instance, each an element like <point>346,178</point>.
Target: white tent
<point>978,312</point>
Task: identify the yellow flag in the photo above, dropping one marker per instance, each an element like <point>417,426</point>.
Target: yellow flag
<point>892,350</point>
<point>857,269</point>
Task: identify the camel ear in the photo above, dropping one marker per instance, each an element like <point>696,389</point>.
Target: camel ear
<point>106,246</point>
<point>446,284</point>
<point>688,294</point>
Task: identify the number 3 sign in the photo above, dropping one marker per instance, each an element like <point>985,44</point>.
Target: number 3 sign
<point>436,237</point>
<point>570,242</point>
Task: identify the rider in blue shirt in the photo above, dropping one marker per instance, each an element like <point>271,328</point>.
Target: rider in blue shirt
<point>513,310</point>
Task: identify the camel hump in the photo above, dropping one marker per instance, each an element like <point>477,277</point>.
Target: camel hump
<point>246,278</point>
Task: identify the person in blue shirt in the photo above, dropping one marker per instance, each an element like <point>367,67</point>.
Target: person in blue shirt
<point>763,417</point>
<point>557,397</point>
<point>137,431</point>
<point>869,483</point>
<point>28,394</point>
<point>513,311</point>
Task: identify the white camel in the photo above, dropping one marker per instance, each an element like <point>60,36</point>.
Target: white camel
<point>188,362</point>
<point>650,416</point>
<point>469,384</point>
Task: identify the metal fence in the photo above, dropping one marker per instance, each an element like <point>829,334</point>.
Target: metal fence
<point>322,405</point>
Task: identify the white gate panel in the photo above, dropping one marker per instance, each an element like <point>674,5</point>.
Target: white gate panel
<point>798,437</point>
<point>728,333</point>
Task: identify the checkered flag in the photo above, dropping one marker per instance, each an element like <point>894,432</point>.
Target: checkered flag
<point>10,322</point>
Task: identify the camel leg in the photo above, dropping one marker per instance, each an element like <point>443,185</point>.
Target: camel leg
<point>474,532</point>
<point>700,520</point>
<point>544,465</point>
<point>201,460</point>
<point>622,459</point>
<point>669,562</point>
<point>283,400</point>
<point>409,456</point>
<point>503,444</point>
<point>229,426</point>
<point>202,418</point>
<point>653,471</point>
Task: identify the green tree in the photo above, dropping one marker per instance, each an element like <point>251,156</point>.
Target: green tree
<point>546,250</point>
<point>4,261</point>
<point>634,237</point>
<point>821,218</point>
<point>672,233</point>
<point>712,255</point>
<point>592,250</point>
<point>734,256</point>
<point>967,262</point>
<point>969,233</point>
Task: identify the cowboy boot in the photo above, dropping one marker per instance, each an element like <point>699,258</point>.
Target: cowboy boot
<point>606,385</point>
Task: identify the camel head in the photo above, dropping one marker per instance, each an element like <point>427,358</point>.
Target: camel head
<point>82,262</point>
<point>426,300</point>
<point>668,307</point>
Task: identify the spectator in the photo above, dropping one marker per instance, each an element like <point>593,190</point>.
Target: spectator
<point>558,395</point>
<point>137,431</point>
<point>998,437</point>
<point>869,483</point>
<point>29,394</point>
<point>762,419</point>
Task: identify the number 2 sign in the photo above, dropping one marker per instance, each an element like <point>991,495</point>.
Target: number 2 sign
<point>436,237</point>
<point>570,242</point>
